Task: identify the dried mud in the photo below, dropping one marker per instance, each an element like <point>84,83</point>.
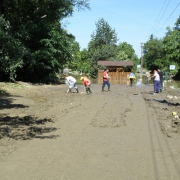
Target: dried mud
<point>30,112</point>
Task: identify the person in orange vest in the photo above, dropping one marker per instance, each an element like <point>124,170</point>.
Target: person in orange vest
<point>106,78</point>
<point>86,83</point>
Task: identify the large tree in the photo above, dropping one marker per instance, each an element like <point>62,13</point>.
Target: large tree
<point>154,54</point>
<point>103,42</point>
<point>35,26</point>
<point>172,47</point>
<point>12,52</point>
<point>172,43</point>
<point>104,34</point>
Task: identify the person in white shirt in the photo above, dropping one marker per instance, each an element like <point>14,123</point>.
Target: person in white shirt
<point>156,82</point>
<point>71,82</point>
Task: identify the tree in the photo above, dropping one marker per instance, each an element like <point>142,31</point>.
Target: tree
<point>172,47</point>
<point>161,53</point>
<point>154,54</point>
<point>103,43</point>
<point>172,43</point>
<point>104,34</point>
<point>125,51</point>
<point>76,56</point>
<point>35,27</point>
<point>85,63</point>
<point>11,52</point>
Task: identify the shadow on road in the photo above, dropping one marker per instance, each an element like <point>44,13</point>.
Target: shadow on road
<point>6,101</point>
<point>25,128</point>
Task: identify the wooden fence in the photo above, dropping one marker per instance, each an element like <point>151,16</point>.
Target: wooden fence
<point>116,77</point>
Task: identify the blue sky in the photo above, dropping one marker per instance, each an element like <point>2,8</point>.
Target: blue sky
<point>133,20</point>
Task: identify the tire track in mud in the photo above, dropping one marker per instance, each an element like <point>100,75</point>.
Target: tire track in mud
<point>164,155</point>
<point>151,124</point>
<point>163,112</point>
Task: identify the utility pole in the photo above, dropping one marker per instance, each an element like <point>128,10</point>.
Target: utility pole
<point>142,44</point>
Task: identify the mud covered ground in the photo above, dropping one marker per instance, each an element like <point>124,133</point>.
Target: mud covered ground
<point>128,133</point>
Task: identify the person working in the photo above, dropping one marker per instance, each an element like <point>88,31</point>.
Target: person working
<point>87,84</point>
<point>71,82</point>
<point>106,78</point>
<point>161,75</point>
<point>156,81</point>
<point>132,77</point>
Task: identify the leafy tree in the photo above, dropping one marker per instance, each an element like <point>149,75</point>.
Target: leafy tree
<point>172,44</point>
<point>85,63</point>
<point>104,34</point>
<point>154,54</point>
<point>35,27</point>
<point>103,43</point>
<point>105,53</point>
<point>76,57</point>
<point>161,53</point>
<point>53,54</point>
<point>125,51</point>
<point>135,60</point>
<point>80,60</point>
<point>121,55</point>
<point>172,47</point>
<point>11,52</point>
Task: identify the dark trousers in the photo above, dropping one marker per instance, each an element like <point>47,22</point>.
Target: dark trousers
<point>131,81</point>
<point>88,90</point>
<point>156,86</point>
<point>104,83</point>
<point>161,85</point>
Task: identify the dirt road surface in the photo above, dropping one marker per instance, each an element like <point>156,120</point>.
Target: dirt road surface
<point>126,134</point>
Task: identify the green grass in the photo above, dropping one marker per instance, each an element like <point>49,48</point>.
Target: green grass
<point>4,86</point>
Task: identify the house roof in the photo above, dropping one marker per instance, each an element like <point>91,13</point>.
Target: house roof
<point>115,63</point>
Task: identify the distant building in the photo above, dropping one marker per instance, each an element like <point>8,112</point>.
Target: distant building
<point>118,71</point>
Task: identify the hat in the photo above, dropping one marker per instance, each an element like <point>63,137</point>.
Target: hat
<point>81,78</point>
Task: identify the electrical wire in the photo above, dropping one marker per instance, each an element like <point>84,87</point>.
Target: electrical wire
<point>162,26</point>
<point>164,12</point>
<point>168,18</point>
<point>157,18</point>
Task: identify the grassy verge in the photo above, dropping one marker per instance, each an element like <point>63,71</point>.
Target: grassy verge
<point>5,86</point>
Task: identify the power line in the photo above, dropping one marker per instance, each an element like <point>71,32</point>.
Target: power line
<point>164,11</point>
<point>157,17</point>
<point>160,27</point>
<point>168,18</point>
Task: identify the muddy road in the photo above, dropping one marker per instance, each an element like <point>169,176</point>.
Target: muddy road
<point>128,133</point>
